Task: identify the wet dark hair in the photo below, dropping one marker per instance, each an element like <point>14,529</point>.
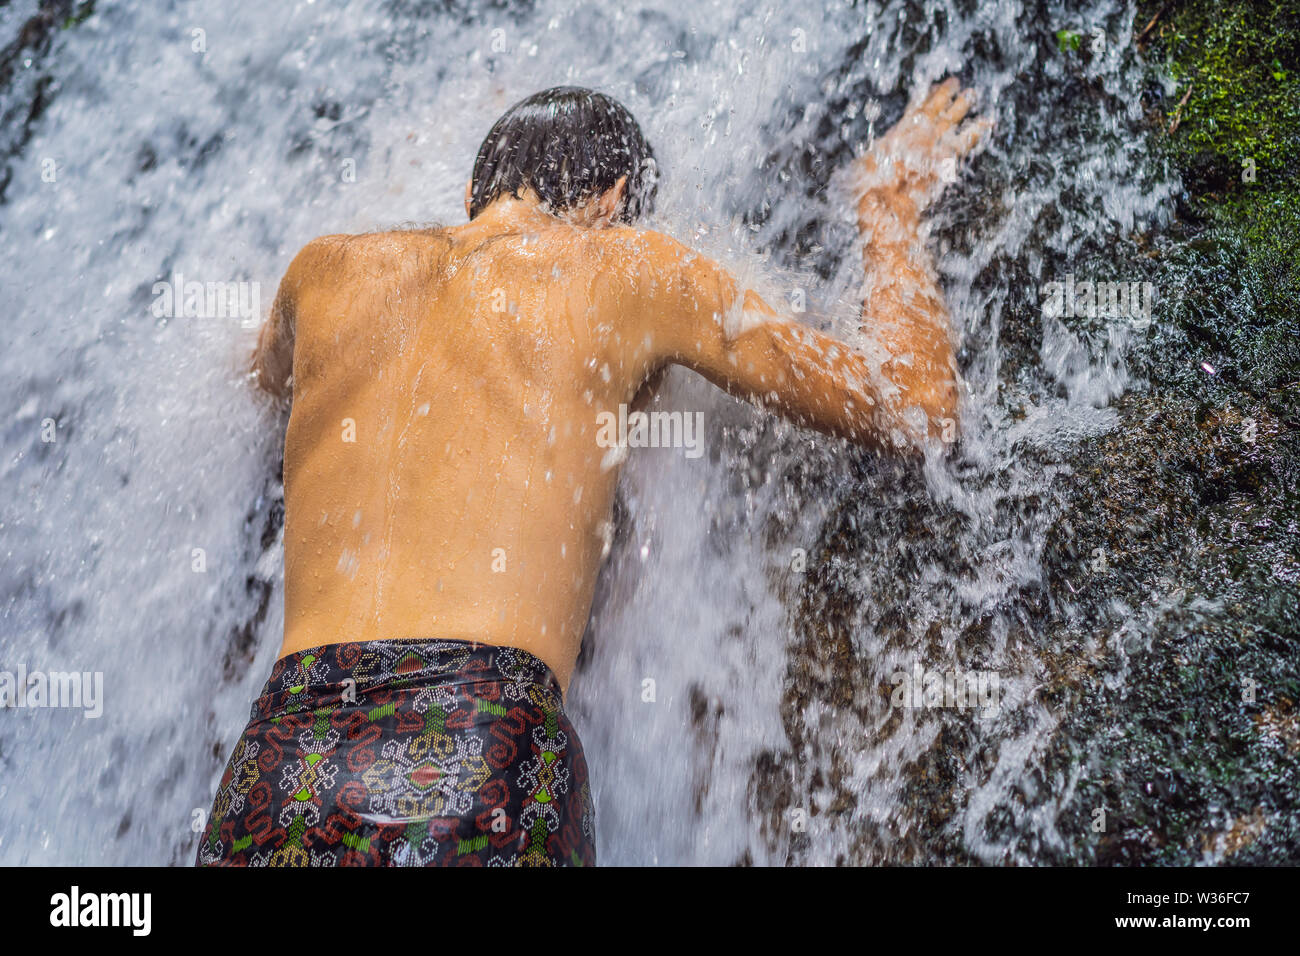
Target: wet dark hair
<point>569,145</point>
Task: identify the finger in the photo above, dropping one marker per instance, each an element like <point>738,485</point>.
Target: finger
<point>940,97</point>
<point>965,139</point>
<point>958,109</point>
<point>924,101</point>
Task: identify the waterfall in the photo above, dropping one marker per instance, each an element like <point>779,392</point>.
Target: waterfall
<point>140,525</point>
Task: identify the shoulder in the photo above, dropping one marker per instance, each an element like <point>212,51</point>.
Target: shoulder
<point>328,257</point>
<point>341,247</point>
<point>315,257</point>
<point>670,264</point>
<point>646,245</point>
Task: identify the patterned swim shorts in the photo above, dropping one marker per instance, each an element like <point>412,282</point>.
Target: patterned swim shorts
<point>405,753</point>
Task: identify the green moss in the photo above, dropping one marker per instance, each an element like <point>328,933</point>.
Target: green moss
<point>1240,62</point>
<point>1234,111</point>
<point>1067,41</point>
<point>80,15</point>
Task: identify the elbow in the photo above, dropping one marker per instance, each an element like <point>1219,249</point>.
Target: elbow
<point>930,414</point>
<point>942,411</point>
<point>278,386</point>
<point>929,418</point>
<point>276,382</point>
<point>273,387</point>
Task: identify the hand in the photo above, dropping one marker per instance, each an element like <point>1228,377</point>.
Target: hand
<point>909,166</point>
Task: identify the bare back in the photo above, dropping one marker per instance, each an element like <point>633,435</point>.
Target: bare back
<point>442,475</point>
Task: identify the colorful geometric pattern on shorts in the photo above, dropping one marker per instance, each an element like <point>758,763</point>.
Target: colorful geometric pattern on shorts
<point>405,753</point>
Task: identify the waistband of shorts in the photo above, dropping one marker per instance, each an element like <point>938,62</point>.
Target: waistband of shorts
<point>332,673</point>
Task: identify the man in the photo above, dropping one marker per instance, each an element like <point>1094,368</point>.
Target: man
<point>445,490</point>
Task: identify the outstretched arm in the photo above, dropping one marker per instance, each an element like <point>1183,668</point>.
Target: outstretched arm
<point>741,344</point>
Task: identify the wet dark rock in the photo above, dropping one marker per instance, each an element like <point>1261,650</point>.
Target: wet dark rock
<point>26,86</point>
<point>1162,632</point>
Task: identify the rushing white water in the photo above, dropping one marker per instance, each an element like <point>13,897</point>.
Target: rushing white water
<point>217,154</point>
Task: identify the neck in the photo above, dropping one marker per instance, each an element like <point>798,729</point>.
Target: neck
<point>508,213</point>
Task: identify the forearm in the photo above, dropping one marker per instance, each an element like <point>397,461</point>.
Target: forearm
<point>904,309</point>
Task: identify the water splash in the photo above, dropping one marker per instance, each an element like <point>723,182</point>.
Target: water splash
<point>221,163</point>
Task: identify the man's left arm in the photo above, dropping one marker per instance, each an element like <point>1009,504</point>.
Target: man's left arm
<point>273,358</point>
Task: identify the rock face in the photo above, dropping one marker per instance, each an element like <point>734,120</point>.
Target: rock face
<point>1134,589</point>
<point>1204,521</point>
<point>26,84</point>
<point>1160,644</point>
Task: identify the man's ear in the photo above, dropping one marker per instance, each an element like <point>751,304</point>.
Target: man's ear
<point>607,205</point>
<point>469,194</point>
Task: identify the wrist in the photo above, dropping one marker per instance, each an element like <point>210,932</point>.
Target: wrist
<point>887,210</point>
<point>894,199</point>
<point>884,195</point>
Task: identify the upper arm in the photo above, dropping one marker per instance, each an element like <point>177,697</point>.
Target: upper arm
<point>706,322</point>
<point>273,358</point>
